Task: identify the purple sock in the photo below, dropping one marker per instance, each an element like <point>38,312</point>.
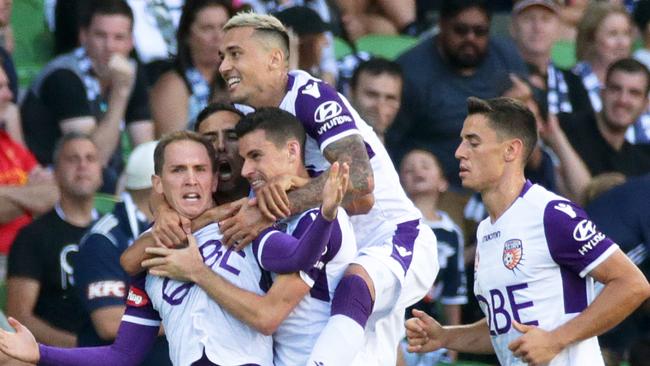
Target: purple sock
<point>352,298</point>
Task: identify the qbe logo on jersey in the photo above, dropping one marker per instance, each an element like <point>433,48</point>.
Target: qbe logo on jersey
<point>328,113</point>
<point>512,253</point>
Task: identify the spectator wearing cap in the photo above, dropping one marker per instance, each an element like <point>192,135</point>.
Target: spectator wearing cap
<point>312,40</point>
<point>535,27</point>
<point>101,283</point>
<point>442,71</point>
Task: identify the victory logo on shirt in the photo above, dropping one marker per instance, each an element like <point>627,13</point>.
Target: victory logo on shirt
<point>512,252</point>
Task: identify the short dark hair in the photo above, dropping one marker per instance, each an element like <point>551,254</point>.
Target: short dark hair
<point>641,14</point>
<point>451,8</point>
<point>63,140</point>
<point>508,117</point>
<point>213,108</point>
<point>166,140</point>
<point>376,66</point>
<point>630,66</point>
<point>279,126</point>
<point>103,7</point>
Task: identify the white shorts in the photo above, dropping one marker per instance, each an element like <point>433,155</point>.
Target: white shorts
<point>394,292</point>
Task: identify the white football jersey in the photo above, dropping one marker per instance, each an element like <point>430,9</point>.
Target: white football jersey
<point>296,336</point>
<point>194,322</point>
<point>532,265</point>
<point>328,117</point>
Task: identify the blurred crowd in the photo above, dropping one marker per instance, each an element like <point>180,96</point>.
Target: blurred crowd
<point>126,72</point>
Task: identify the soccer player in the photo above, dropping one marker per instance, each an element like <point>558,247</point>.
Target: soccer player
<point>297,306</point>
<point>198,330</point>
<point>537,257</point>
<point>393,266</point>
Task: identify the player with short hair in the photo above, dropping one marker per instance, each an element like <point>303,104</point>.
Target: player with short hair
<point>198,330</point>
<point>537,257</point>
<point>318,243</point>
<point>393,266</point>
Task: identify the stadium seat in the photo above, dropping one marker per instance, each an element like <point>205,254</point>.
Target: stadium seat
<point>34,42</point>
<point>564,54</point>
<point>386,45</point>
<point>104,203</point>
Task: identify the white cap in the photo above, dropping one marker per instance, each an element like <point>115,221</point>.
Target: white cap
<point>139,168</point>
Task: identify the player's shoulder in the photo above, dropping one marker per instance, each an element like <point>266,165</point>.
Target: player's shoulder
<point>539,198</point>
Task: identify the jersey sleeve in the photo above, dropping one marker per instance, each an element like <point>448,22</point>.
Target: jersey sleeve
<point>65,95</point>
<point>573,239</point>
<point>139,308</point>
<point>99,278</point>
<point>283,253</point>
<point>324,114</point>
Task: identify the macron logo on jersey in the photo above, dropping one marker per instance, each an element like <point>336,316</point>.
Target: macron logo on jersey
<point>106,289</point>
<point>312,90</point>
<point>567,209</point>
<point>137,298</point>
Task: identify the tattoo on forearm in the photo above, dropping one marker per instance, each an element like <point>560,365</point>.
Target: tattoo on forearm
<point>351,150</point>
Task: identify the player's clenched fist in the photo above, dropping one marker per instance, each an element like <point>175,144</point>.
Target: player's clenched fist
<point>423,333</point>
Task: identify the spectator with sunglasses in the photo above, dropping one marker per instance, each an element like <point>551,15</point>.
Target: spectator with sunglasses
<point>440,72</point>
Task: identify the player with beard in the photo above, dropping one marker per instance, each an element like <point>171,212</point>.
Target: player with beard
<point>442,71</point>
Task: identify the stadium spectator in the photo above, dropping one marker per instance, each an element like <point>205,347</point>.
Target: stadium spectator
<point>599,138</point>
<point>532,314</point>
<point>181,93</point>
<point>376,93</point>
<point>535,27</point>
<point>441,71</point>
<point>198,330</point>
<point>40,275</point>
<point>630,228</point>
<point>312,41</point>
<point>423,180</point>
<point>361,17</point>
<point>93,89</point>
<point>7,40</point>
<point>101,283</point>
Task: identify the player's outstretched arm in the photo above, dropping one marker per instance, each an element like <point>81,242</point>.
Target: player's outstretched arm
<point>20,345</point>
<point>424,334</point>
<point>625,289</point>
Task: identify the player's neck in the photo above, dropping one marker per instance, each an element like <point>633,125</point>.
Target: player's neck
<point>499,198</point>
<point>273,95</point>
<point>78,211</point>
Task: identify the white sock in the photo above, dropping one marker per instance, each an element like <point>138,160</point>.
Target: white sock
<point>338,344</point>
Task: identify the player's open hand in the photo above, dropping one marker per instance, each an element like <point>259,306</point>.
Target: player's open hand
<point>183,264</point>
<point>242,228</point>
<point>20,345</point>
<point>536,346</point>
<point>272,199</point>
<point>334,190</point>
<point>170,229</point>
<point>423,333</point>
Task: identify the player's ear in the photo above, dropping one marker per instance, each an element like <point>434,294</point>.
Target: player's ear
<point>277,59</point>
<point>514,148</point>
<point>293,148</point>
<point>157,184</point>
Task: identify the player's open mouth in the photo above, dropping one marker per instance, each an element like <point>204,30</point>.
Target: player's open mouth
<point>225,171</point>
<point>257,183</point>
<point>233,81</point>
<point>192,197</point>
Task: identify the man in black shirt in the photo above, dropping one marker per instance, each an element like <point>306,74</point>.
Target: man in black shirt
<point>599,138</point>
<point>40,280</point>
<point>93,89</point>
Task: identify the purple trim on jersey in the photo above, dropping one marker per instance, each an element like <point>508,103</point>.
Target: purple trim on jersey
<point>322,112</point>
<point>404,241</point>
<point>321,290</point>
<point>132,344</point>
<point>369,150</point>
<point>290,80</point>
<point>205,361</point>
<point>574,243</point>
<point>527,186</point>
<point>352,299</point>
<point>283,253</point>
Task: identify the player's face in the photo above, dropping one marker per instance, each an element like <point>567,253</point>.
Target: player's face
<point>244,65</point>
<point>263,160</point>
<point>421,174</point>
<point>535,30</point>
<point>220,129</point>
<point>377,98</point>
<point>186,179</point>
<point>78,170</point>
<point>481,154</point>
<point>106,35</point>
<point>464,38</point>
<point>624,99</point>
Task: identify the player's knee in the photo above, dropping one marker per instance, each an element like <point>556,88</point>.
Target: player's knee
<point>352,299</point>
<point>358,270</point>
